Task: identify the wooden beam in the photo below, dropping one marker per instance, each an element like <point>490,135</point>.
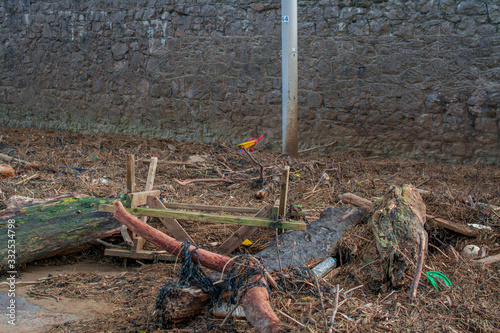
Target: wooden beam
<point>139,241</point>
<point>243,233</point>
<point>130,173</point>
<point>210,208</point>
<point>140,254</point>
<point>284,191</point>
<point>212,218</point>
<point>141,198</point>
<point>151,173</point>
<point>171,224</point>
<point>130,179</point>
<point>275,210</point>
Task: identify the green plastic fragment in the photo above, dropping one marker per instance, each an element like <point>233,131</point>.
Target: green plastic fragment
<point>431,275</point>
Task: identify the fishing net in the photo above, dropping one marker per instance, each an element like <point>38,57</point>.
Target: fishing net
<point>243,272</point>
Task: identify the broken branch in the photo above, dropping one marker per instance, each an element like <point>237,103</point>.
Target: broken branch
<point>202,180</point>
<point>255,301</point>
<point>318,147</point>
<point>368,205</point>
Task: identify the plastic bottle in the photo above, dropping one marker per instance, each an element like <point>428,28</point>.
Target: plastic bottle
<point>324,267</point>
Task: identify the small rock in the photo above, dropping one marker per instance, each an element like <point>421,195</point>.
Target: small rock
<point>470,251</point>
<point>198,158</point>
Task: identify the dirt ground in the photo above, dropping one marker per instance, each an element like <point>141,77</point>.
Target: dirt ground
<point>95,165</point>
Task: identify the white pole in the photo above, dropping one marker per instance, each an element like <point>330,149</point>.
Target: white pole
<point>289,77</point>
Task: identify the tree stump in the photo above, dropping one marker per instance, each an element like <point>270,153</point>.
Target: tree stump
<point>398,228</point>
<point>181,303</point>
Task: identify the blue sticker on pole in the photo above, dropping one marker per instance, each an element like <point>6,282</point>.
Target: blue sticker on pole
<point>285,19</point>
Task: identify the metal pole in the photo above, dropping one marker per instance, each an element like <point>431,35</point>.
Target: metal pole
<point>289,77</point>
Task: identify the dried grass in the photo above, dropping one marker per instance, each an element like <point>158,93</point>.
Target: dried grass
<point>461,193</point>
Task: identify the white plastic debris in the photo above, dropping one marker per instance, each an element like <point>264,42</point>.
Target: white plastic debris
<point>223,310</point>
<point>479,226</point>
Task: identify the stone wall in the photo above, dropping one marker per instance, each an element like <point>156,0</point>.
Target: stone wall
<point>417,77</point>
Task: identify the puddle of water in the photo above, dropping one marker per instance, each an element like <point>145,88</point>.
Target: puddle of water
<point>35,315</point>
<point>30,317</point>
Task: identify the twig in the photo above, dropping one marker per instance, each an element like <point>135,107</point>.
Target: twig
<point>386,297</point>
<point>44,295</point>
<point>368,264</point>
<point>437,248</point>
<point>318,147</point>
<point>271,281</point>
<point>26,179</point>
<point>390,177</point>
<point>278,250</point>
<point>335,308</point>
<point>352,289</point>
<point>319,181</point>
<point>321,299</point>
<point>100,241</point>
<point>202,180</point>
<point>422,248</point>
<point>256,162</point>
<point>294,320</point>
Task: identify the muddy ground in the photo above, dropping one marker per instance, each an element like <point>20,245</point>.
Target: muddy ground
<point>95,165</point>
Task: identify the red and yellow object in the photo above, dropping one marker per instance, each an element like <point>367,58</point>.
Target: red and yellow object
<point>250,143</point>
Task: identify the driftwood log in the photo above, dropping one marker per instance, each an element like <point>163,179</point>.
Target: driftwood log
<point>254,301</point>
<point>318,242</point>
<point>49,227</point>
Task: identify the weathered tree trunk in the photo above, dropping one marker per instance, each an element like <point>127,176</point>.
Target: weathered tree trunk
<point>51,227</point>
<point>398,228</point>
<point>255,301</point>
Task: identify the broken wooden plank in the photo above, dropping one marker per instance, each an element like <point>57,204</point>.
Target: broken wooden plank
<point>151,173</point>
<point>130,181</point>
<point>212,218</point>
<point>275,210</point>
<point>140,254</point>
<point>141,198</point>
<point>284,191</point>
<point>171,224</point>
<point>229,209</point>
<point>243,233</point>
<point>130,173</point>
<point>138,241</point>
